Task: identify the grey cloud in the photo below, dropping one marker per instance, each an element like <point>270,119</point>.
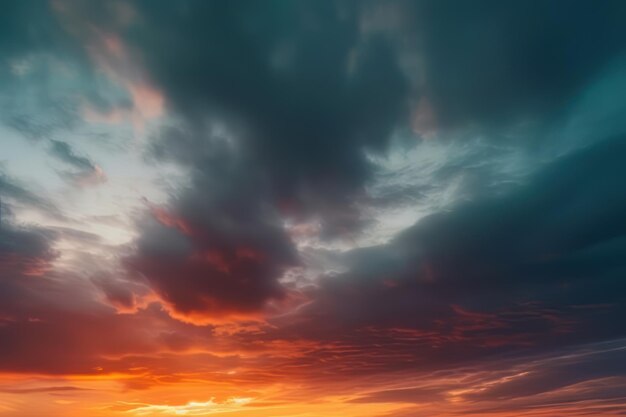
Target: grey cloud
<point>84,171</point>
<point>501,62</point>
<point>535,269</point>
<point>64,152</point>
<point>11,191</point>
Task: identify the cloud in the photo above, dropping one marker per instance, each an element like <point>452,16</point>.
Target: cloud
<point>303,125</point>
<point>534,269</point>
<point>408,395</point>
<point>30,103</point>
<point>213,255</point>
<point>42,389</point>
<point>289,122</point>
<point>283,135</point>
<point>276,133</point>
<point>48,321</point>
<point>497,63</point>
<point>85,171</point>
<point>559,373</point>
<point>64,152</point>
<point>192,408</point>
<point>14,192</point>
<point>62,70</point>
<point>23,252</point>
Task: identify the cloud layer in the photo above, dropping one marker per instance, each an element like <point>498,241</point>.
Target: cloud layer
<point>316,208</point>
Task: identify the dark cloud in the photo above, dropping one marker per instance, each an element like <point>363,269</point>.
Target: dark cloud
<point>119,296</point>
<point>300,92</point>
<point>119,291</point>
<point>64,152</point>
<point>41,34</point>
<point>29,280</point>
<point>50,320</point>
<point>548,232</point>
<point>493,62</point>
<point>214,254</point>
<point>84,170</point>
<point>533,270</point>
<point>13,192</point>
<point>276,115</point>
<point>23,252</point>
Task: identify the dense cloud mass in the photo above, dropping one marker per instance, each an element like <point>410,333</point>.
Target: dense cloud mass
<point>545,259</point>
<point>214,254</point>
<point>328,208</point>
<point>515,62</point>
<point>303,93</point>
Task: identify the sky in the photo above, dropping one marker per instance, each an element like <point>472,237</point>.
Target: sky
<point>312,208</point>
